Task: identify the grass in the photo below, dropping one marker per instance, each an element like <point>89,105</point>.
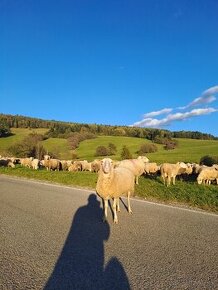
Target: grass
<point>184,192</point>
<point>58,146</point>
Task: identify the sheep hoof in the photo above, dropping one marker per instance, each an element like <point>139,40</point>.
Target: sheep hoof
<point>116,221</point>
<point>130,212</point>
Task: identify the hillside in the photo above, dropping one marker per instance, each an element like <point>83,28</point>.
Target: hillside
<point>189,150</point>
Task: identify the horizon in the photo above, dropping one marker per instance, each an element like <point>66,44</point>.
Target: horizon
<point>150,64</point>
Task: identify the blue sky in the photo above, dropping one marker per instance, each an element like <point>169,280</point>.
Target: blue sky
<point>144,63</point>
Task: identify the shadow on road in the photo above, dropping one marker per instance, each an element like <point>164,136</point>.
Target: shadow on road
<point>81,262</point>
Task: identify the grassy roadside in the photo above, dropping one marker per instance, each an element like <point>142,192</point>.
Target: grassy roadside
<point>183,193</point>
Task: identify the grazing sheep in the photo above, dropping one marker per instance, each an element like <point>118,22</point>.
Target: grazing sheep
<point>112,183</point>
<point>86,166</point>
<point>51,164</point>
<point>207,175</point>
<point>170,171</point>
<point>27,162</point>
<point>95,165</point>
<point>75,166</point>
<point>35,164</point>
<point>137,166</point>
<point>6,162</point>
<point>151,168</point>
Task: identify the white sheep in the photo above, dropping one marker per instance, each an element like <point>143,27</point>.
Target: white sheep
<point>207,175</point>
<point>169,171</point>
<point>112,183</point>
<point>137,166</point>
<point>35,164</point>
<point>151,168</point>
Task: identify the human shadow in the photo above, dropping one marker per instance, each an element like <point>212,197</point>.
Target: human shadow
<point>81,262</point>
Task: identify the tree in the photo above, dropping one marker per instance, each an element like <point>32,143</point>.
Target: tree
<point>125,153</point>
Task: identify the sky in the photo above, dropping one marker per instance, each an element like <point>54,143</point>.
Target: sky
<point>147,63</point>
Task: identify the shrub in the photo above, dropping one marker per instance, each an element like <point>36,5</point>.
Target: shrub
<point>112,149</point>
<point>170,144</point>
<point>209,160</point>
<point>101,151</point>
<point>125,153</point>
<point>147,148</point>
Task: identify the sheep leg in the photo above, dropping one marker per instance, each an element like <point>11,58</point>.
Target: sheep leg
<point>168,180</point>
<point>128,200</point>
<point>174,180</point>
<point>118,205</point>
<point>105,209</point>
<point>137,179</point>
<point>115,211</point>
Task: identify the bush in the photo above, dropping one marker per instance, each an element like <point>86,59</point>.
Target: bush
<point>125,153</point>
<point>101,151</point>
<point>170,144</point>
<point>209,160</point>
<point>112,149</point>
<point>147,148</point>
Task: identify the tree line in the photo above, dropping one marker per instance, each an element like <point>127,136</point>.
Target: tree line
<point>60,129</point>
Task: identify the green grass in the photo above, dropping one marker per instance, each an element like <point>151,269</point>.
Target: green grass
<point>184,192</point>
<point>58,146</point>
<point>87,148</point>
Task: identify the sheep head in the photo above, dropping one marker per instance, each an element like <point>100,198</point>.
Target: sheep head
<point>106,165</point>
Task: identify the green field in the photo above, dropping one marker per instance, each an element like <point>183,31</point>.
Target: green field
<point>189,150</point>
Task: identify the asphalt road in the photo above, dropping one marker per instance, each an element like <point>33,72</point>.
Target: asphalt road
<point>52,237</point>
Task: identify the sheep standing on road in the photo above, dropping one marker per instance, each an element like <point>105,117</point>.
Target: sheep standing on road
<point>112,183</point>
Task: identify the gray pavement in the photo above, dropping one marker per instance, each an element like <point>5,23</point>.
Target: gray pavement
<point>52,237</point>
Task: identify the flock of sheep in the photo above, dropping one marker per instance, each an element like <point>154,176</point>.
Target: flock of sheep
<point>116,178</point>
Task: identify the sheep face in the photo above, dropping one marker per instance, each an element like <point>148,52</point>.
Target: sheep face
<point>106,165</point>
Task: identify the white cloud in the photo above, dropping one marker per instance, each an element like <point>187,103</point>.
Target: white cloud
<point>158,123</point>
<point>211,91</point>
<point>208,96</point>
<point>157,113</point>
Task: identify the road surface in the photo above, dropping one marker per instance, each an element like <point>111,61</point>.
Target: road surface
<point>52,237</point>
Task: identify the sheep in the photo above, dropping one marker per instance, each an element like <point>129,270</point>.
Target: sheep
<point>6,162</point>
<point>207,175</point>
<point>51,164</point>
<point>27,162</point>
<point>170,171</point>
<point>151,168</point>
<point>95,165</point>
<point>112,183</point>
<point>86,166</point>
<point>35,163</point>
<point>137,166</point>
<point>75,166</point>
